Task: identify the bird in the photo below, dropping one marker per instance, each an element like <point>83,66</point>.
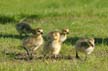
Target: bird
<point>23,28</point>
<point>53,46</point>
<point>63,34</point>
<point>32,43</point>
<point>85,45</point>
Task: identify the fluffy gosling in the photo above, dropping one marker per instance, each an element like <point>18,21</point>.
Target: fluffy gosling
<point>85,45</point>
<point>53,46</point>
<point>63,34</point>
<point>32,43</point>
<point>23,28</point>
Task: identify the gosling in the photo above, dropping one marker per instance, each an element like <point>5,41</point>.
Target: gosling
<point>33,42</point>
<point>85,45</point>
<point>23,28</point>
<point>63,35</point>
<point>53,46</point>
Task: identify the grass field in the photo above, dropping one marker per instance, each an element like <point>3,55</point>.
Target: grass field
<point>84,18</point>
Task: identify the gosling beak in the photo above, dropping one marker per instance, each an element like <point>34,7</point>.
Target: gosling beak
<point>41,32</point>
<point>67,32</point>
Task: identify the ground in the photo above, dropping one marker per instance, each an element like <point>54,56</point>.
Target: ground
<point>84,18</point>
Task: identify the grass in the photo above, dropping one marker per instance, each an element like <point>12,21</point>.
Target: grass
<point>84,18</point>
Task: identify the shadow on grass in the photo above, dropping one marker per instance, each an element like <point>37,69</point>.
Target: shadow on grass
<point>10,19</point>
<point>41,57</point>
<point>73,40</point>
<point>12,36</point>
<point>23,56</point>
<point>6,19</point>
<point>17,36</point>
<point>32,16</point>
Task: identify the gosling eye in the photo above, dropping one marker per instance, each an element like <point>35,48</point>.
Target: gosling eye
<point>38,31</point>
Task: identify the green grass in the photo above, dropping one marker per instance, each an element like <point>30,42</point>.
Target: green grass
<point>84,18</point>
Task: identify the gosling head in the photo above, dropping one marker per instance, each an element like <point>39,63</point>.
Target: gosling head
<point>55,35</point>
<point>92,41</point>
<point>38,31</point>
<point>65,31</point>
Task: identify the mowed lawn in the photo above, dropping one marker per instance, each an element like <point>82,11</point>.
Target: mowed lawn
<point>84,18</point>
